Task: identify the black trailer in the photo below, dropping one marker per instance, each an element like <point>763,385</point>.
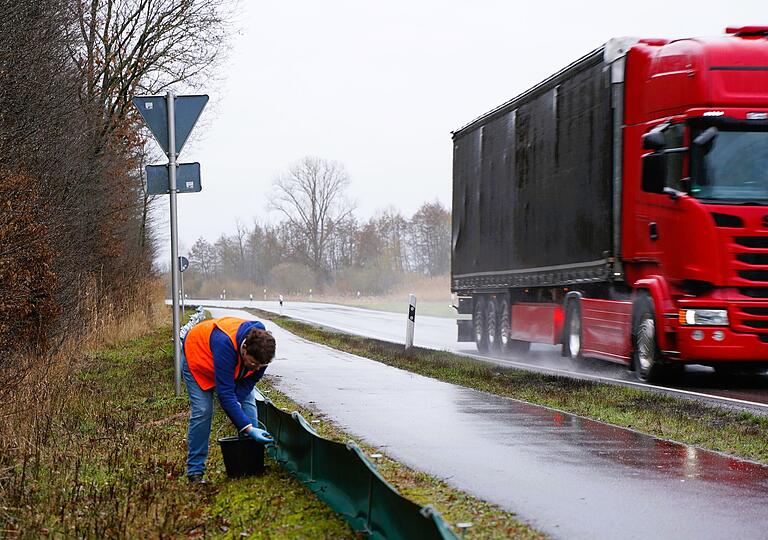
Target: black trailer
<point>536,188</point>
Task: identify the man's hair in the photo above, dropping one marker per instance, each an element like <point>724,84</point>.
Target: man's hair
<point>260,345</point>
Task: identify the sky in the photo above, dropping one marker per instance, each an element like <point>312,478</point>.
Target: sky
<point>379,86</point>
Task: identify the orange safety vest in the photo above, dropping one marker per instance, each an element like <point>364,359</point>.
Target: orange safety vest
<point>197,349</point>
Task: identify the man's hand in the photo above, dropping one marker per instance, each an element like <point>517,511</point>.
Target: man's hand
<point>260,435</point>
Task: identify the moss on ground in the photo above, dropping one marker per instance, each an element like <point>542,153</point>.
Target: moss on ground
<point>739,433</point>
<point>111,464</point>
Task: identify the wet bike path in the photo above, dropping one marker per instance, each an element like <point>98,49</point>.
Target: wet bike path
<point>568,476</point>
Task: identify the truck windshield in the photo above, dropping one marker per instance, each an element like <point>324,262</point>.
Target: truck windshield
<point>732,168</point>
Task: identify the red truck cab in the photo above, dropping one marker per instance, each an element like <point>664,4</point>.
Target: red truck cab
<point>695,204</point>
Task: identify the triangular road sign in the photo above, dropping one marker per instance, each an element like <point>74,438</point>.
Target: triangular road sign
<point>188,109</point>
<point>155,113</point>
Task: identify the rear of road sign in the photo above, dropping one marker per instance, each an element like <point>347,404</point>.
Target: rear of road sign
<point>187,179</point>
<point>154,110</point>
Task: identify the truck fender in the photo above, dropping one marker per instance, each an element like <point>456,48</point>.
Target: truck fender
<point>658,289</point>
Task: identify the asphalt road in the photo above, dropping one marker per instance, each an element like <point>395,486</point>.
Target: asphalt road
<point>698,382</point>
<point>568,476</point>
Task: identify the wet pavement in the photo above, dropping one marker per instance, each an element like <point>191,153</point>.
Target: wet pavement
<point>431,332</point>
<point>440,333</point>
<point>569,477</point>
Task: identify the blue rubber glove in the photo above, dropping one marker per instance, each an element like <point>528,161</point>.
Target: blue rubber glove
<point>260,435</point>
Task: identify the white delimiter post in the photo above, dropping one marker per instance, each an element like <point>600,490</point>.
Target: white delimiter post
<point>411,321</point>
<point>174,240</point>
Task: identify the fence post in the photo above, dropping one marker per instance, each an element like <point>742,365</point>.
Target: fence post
<point>411,321</point>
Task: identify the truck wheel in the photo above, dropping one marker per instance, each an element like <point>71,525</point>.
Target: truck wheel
<point>572,335</point>
<point>506,343</point>
<point>478,322</point>
<point>646,355</point>
<point>492,325</point>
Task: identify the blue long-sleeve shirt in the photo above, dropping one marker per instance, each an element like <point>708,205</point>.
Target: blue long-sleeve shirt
<point>229,390</point>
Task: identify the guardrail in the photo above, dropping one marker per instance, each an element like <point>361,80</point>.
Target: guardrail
<point>342,477</point>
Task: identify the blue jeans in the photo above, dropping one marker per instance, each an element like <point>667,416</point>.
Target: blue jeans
<point>200,416</point>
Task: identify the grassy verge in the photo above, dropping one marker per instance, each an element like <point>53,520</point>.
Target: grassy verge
<point>488,521</point>
<point>111,464</point>
<point>739,433</point>
<point>432,308</point>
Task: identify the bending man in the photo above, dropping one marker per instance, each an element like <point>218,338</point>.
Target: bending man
<point>229,355</point>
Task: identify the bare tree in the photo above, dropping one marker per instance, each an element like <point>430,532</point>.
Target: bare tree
<point>120,48</point>
<point>343,246</point>
<point>393,229</point>
<point>125,47</point>
<point>431,238</point>
<point>312,198</point>
<point>73,206</point>
<point>203,258</point>
<point>241,236</point>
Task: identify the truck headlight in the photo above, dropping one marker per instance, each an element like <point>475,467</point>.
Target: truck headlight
<point>703,317</point>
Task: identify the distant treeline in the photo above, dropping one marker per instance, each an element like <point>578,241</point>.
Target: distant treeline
<point>74,220</point>
<point>360,255</point>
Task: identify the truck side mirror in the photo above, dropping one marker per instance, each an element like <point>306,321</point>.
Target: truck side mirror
<point>654,172</point>
<point>654,139</point>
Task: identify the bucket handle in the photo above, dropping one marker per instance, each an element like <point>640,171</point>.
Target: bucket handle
<point>259,423</point>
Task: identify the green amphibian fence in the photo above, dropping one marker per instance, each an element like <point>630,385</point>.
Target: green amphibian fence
<point>342,477</point>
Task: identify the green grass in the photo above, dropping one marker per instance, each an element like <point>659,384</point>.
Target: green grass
<point>739,433</point>
<point>111,464</point>
<point>488,521</point>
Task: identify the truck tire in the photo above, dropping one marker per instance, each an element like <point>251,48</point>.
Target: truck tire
<point>492,325</point>
<point>572,331</point>
<point>506,343</point>
<point>646,355</point>
<point>478,323</point>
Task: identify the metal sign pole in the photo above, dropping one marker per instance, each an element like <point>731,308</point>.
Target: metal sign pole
<point>181,277</point>
<point>174,239</point>
<point>159,113</point>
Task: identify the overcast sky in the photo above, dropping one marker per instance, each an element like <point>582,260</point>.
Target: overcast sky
<point>379,86</point>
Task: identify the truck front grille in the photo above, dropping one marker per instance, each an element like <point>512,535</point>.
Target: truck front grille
<point>753,258</point>
<point>754,292</point>
<point>756,324</point>
<point>755,311</point>
<point>754,275</point>
<point>752,241</point>
<point>750,320</point>
<point>749,262</point>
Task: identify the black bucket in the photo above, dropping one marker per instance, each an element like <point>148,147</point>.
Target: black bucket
<point>242,456</point>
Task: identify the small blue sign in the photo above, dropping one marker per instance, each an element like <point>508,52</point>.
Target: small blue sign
<point>187,179</point>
